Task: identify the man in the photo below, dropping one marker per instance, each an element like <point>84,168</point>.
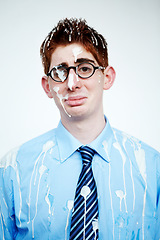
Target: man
<point>84,179</point>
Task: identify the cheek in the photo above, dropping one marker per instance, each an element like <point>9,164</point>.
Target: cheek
<point>99,79</point>
<point>54,88</point>
<point>96,85</point>
<point>101,83</point>
<point>97,89</point>
<point>57,92</point>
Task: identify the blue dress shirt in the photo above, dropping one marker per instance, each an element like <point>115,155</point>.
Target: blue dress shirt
<point>38,183</point>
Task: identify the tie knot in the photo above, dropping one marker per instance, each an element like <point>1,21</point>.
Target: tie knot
<point>87,154</point>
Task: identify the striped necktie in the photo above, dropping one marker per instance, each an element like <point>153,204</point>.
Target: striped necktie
<point>84,222</point>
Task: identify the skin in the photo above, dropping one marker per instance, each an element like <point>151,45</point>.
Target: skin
<point>84,103</point>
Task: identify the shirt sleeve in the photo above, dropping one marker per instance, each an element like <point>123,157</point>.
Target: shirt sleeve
<point>8,228</point>
<point>158,199</point>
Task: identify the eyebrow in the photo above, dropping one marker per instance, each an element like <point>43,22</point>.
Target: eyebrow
<point>79,60</point>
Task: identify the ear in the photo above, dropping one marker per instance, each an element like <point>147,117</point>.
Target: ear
<point>110,75</point>
<point>46,87</point>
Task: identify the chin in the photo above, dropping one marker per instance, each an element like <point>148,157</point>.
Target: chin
<point>79,114</point>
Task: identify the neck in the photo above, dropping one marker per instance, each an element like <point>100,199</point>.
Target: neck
<point>85,130</point>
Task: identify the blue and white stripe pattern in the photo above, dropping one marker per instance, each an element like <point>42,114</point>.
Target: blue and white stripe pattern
<point>84,223</point>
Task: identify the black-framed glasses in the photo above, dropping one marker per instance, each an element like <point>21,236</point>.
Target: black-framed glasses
<point>83,70</point>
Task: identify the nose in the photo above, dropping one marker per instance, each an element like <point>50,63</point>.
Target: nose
<point>73,80</point>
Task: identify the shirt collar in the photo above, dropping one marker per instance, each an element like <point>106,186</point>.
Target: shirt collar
<point>67,144</point>
<point>103,143</point>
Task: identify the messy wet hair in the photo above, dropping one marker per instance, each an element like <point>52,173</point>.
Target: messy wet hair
<point>70,31</point>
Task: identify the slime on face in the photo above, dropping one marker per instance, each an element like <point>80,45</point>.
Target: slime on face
<point>76,51</point>
<point>60,96</point>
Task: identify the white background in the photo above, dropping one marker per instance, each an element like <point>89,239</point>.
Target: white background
<point>132,30</point>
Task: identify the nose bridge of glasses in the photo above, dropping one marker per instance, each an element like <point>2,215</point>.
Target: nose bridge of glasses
<point>72,67</point>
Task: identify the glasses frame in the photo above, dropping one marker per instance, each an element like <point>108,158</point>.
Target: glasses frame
<point>75,69</point>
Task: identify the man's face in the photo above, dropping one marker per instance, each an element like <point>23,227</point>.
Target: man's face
<point>75,97</point>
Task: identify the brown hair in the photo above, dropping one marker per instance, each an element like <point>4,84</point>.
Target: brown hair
<point>70,31</point>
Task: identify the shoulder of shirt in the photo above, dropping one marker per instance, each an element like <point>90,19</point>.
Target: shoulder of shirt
<point>40,140</point>
<point>41,143</point>
<point>135,146</point>
<point>121,136</point>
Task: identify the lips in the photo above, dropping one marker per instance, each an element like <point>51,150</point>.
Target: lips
<point>74,101</point>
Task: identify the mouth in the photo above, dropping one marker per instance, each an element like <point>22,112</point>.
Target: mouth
<point>75,101</point>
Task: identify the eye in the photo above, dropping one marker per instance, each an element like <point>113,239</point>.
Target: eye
<point>85,68</point>
<point>59,74</point>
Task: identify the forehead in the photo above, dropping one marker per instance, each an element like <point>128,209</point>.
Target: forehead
<point>69,54</point>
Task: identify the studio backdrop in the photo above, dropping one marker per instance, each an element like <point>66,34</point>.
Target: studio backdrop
<point>132,31</point>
